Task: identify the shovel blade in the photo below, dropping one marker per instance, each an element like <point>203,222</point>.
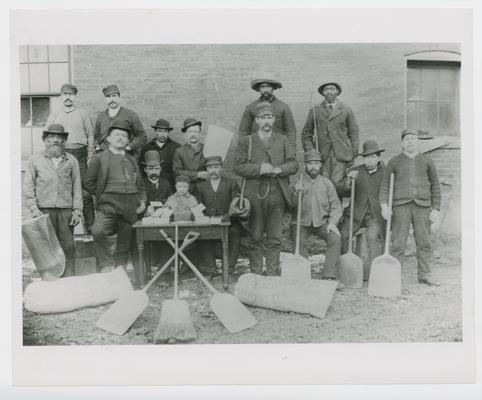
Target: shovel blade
<point>123,313</point>
<point>351,271</point>
<point>295,267</point>
<point>385,277</point>
<point>175,322</point>
<point>232,313</point>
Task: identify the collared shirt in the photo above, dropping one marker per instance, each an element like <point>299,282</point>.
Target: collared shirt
<point>79,126</point>
<point>181,203</point>
<point>215,184</point>
<point>47,186</point>
<point>264,136</point>
<point>154,182</point>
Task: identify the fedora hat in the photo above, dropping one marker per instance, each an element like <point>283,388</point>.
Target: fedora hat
<point>151,158</point>
<point>121,125</point>
<point>322,86</point>
<point>424,135</point>
<point>55,129</point>
<point>266,78</point>
<point>189,122</point>
<point>162,124</point>
<point>371,147</point>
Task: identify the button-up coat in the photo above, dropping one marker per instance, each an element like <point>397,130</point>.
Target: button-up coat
<point>189,161</point>
<point>217,202</point>
<point>166,154</point>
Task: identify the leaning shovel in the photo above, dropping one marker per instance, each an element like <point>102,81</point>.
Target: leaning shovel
<point>231,312</point>
<point>351,266</point>
<point>127,308</point>
<point>386,272</point>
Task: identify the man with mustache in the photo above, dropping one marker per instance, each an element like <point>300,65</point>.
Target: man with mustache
<point>157,188</point>
<point>284,122</point>
<point>336,134</point>
<point>320,212</point>
<point>188,159</point>
<point>116,113</point>
<point>266,159</point>
<point>80,141</point>
<point>52,186</point>
<point>164,146</point>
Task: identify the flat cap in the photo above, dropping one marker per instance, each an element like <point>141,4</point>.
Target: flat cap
<point>183,178</point>
<point>263,108</point>
<point>68,88</point>
<point>214,160</point>
<point>111,89</point>
<point>312,155</point>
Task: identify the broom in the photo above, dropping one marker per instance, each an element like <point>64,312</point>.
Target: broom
<point>175,323</point>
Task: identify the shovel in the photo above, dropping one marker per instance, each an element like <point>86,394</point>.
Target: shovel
<point>386,272</point>
<point>231,312</point>
<point>295,266</point>
<point>351,266</point>
<point>128,307</point>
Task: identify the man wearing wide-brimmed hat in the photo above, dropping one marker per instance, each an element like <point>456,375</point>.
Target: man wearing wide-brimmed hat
<point>336,135</point>
<point>52,186</point>
<point>165,146</point>
<point>367,212</point>
<point>266,84</point>
<point>116,113</point>
<point>189,159</point>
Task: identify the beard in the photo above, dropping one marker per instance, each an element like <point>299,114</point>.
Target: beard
<point>153,177</point>
<point>55,150</point>
<point>313,173</point>
<point>266,96</point>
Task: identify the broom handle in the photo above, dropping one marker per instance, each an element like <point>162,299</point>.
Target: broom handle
<point>241,197</point>
<point>176,256</point>
<point>298,218</point>
<point>389,220</point>
<point>352,208</point>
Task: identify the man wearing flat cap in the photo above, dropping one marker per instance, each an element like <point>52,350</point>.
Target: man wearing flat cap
<point>266,159</point>
<point>114,178</point>
<point>367,212</point>
<point>116,113</point>
<point>52,186</point>
<point>188,159</point>
<point>320,212</point>
<point>334,135</point>
<point>165,146</point>
<point>80,142</point>
<point>416,202</point>
<point>266,84</point>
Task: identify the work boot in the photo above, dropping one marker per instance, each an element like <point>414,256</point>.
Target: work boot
<point>428,280</point>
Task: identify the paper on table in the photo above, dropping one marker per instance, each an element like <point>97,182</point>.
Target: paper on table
<point>217,142</point>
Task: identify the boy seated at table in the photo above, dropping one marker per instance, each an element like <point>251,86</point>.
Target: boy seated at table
<point>182,201</point>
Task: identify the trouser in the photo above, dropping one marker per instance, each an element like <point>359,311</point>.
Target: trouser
<point>88,204</point>
<point>335,171</point>
<point>60,219</point>
<point>212,248</point>
<point>333,246</point>
<point>266,216</point>
<point>417,216</point>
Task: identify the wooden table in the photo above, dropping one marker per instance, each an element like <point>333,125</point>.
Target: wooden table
<point>151,233</point>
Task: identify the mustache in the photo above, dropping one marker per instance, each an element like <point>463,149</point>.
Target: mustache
<point>153,176</point>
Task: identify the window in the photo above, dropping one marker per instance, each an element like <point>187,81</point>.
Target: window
<point>433,96</point>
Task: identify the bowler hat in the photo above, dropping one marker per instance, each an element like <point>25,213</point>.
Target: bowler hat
<point>189,122</point>
<point>122,125</point>
<point>312,155</point>
<point>263,108</point>
<point>183,178</point>
<point>266,78</point>
<point>55,129</point>
<point>152,158</point>
<point>371,147</point>
<point>320,89</point>
<point>111,89</point>
<point>162,124</point>
<point>213,160</point>
<point>68,87</point>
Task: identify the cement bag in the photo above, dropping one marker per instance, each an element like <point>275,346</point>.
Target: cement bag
<point>44,247</point>
<point>306,297</point>
<point>67,294</point>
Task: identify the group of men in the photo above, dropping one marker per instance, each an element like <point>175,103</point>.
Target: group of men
<point>112,161</point>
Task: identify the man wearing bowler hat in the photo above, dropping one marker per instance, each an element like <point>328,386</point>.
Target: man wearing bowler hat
<point>116,113</point>
<point>165,146</point>
<point>114,178</point>
<point>80,142</point>
<point>266,159</point>
<point>266,84</point>
<point>157,188</point>
<point>336,134</point>
<point>188,159</point>
<point>367,212</point>
<point>320,212</point>
<point>52,186</point>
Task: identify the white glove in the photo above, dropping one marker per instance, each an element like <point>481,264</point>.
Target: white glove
<point>386,212</point>
<point>434,214</point>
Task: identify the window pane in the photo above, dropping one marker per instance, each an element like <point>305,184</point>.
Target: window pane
<point>26,142</point>
<point>37,53</point>
<point>413,116</point>
<point>39,78</point>
<point>429,84</point>
<point>428,114</point>
<point>24,78</point>
<point>448,84</point>
<point>58,53</point>
<point>59,74</point>
<point>25,112</point>
<point>413,84</point>
<point>448,119</point>
<point>40,110</point>
<point>22,54</point>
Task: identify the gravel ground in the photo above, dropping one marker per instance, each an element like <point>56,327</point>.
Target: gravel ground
<point>421,314</point>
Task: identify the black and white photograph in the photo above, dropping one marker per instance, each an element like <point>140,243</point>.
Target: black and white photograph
<point>180,196</point>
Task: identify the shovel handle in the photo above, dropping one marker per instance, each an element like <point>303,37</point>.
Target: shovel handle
<point>298,217</point>
<point>389,220</point>
<point>352,208</point>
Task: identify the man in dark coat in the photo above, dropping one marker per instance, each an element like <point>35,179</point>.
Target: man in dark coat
<point>284,122</point>
<point>164,146</point>
<point>216,194</point>
<point>266,159</point>
<point>336,134</point>
<point>157,188</point>
<point>367,212</point>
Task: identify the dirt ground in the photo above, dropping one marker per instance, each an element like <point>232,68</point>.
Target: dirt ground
<point>421,314</point>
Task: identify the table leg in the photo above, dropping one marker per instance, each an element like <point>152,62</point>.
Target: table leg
<point>225,241</point>
<point>148,259</point>
<point>140,267</point>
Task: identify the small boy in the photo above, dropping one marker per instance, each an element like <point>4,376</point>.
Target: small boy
<point>182,201</point>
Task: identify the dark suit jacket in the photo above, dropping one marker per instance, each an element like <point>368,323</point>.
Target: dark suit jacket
<point>166,154</point>
<point>339,129</point>
<point>95,178</point>
<point>161,193</point>
<point>279,152</point>
<point>217,203</point>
